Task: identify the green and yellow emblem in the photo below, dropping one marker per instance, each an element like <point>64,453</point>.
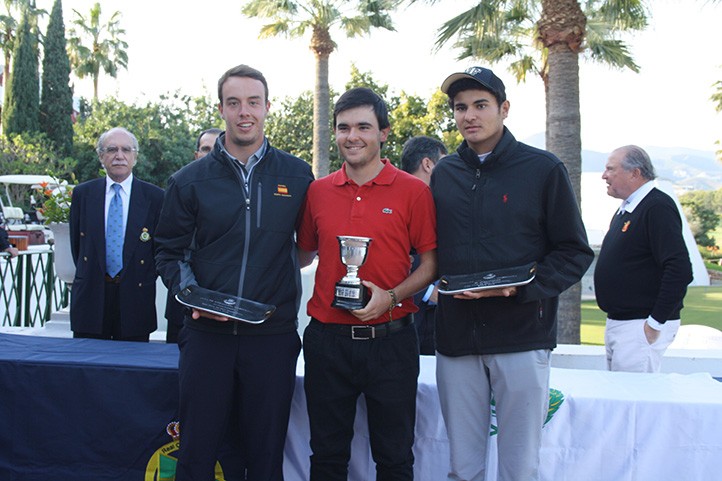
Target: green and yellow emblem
<point>162,465</point>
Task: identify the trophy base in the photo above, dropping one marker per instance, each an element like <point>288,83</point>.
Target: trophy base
<point>350,297</point>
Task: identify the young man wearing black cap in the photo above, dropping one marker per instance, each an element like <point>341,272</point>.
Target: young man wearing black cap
<point>501,204</point>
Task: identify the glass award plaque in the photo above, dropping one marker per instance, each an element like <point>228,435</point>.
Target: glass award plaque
<point>226,305</point>
<point>494,279</point>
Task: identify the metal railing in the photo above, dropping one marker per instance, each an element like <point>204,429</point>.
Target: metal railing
<point>29,289</point>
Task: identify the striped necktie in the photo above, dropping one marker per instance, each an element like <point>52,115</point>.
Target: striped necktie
<point>114,235</point>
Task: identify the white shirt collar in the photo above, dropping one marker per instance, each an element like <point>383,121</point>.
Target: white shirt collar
<point>631,202</point>
<point>125,185</point>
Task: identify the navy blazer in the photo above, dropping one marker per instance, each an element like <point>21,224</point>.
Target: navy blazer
<point>138,277</point>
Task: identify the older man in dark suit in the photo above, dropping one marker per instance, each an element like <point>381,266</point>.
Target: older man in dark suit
<point>112,229</point>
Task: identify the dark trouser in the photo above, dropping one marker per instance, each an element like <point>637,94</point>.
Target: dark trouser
<point>263,369</point>
<point>337,370</point>
<point>424,323</point>
<point>174,314</point>
<point>111,317</point>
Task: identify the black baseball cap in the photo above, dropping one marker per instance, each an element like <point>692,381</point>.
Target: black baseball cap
<point>482,75</point>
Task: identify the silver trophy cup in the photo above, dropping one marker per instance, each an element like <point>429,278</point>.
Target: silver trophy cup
<point>350,293</point>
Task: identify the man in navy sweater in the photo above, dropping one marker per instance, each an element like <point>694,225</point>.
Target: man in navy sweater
<point>643,267</point>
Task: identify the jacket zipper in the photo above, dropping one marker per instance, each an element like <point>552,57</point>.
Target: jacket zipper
<point>259,207</point>
<point>476,195</point>
<point>247,196</point>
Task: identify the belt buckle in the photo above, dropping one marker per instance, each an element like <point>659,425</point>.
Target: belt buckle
<point>371,330</point>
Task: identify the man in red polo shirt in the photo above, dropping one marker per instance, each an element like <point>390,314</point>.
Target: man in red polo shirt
<point>344,357</point>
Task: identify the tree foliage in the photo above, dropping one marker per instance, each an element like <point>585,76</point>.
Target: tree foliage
<point>22,97</point>
<point>8,32</point>
<point>289,127</point>
<point>9,27</point>
<point>497,30</point>
<point>56,105</point>
<point>31,154</point>
<point>717,100</point>
<point>166,131</point>
<point>703,210</point>
<point>96,46</point>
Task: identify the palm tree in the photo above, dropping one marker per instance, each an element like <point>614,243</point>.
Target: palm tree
<point>561,31</point>
<point>546,38</point>
<point>294,18</point>
<point>105,49</point>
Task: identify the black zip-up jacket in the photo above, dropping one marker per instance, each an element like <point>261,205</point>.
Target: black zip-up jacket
<point>515,208</point>
<point>238,239</point>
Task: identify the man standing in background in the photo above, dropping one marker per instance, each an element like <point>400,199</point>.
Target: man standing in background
<point>112,239</point>
<point>643,268</point>
<point>206,141</point>
<point>174,310</point>
<point>419,157</point>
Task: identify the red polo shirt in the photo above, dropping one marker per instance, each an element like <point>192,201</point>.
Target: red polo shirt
<point>395,209</point>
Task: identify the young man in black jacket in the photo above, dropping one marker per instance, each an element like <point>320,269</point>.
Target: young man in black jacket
<point>500,204</point>
<point>227,224</point>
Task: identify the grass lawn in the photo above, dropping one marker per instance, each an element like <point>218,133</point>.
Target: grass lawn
<point>702,305</point>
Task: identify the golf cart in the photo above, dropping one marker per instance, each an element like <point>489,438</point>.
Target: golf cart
<point>19,190</point>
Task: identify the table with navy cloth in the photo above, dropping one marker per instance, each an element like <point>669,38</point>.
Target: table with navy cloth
<point>85,409</point>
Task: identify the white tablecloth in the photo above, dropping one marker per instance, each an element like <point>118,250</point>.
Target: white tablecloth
<point>610,426</point>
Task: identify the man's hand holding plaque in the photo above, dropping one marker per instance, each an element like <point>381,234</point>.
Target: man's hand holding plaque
<point>221,305</point>
<point>494,283</point>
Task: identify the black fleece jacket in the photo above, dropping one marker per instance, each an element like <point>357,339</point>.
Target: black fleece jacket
<point>515,208</point>
<point>238,239</point>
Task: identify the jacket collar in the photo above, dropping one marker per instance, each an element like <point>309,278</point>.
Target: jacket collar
<point>220,151</point>
<point>506,144</point>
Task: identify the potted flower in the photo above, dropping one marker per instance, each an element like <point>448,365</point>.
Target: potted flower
<point>55,213</point>
<point>55,207</point>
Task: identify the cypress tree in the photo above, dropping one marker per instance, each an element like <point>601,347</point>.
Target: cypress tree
<point>56,104</point>
<point>20,112</point>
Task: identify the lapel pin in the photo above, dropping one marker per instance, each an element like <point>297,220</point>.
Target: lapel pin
<point>145,236</point>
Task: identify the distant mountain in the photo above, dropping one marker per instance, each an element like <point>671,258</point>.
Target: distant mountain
<point>687,169</point>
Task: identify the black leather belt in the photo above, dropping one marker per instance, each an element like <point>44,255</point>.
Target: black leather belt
<point>366,331</point>
<point>112,280</point>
